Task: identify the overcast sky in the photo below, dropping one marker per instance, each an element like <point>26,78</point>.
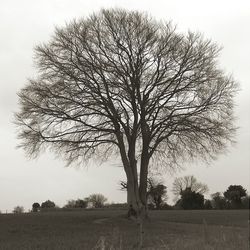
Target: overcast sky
<point>26,23</point>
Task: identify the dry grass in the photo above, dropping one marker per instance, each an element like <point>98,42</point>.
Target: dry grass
<point>110,230</point>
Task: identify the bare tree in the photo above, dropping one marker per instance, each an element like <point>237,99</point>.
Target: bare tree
<point>188,182</point>
<point>97,200</point>
<point>121,82</point>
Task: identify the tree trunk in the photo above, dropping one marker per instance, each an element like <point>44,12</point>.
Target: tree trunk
<point>133,197</point>
<point>143,185</point>
<point>136,197</point>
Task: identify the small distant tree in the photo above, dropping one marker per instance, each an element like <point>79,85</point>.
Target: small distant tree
<point>218,201</point>
<point>234,194</point>
<point>97,200</point>
<point>191,200</point>
<point>70,204</point>
<point>18,210</point>
<point>35,207</point>
<point>157,193</point>
<point>48,204</point>
<point>188,182</point>
<point>81,203</point>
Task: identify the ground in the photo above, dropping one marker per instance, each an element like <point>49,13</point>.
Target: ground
<point>109,229</point>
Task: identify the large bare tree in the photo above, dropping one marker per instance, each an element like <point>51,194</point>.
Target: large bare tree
<point>121,82</point>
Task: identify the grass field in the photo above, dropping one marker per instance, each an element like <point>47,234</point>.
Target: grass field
<point>109,229</point>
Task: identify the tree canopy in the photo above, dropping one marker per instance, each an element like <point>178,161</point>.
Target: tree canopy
<point>48,204</point>
<point>121,82</point>
<point>191,200</point>
<point>35,207</point>
<point>234,194</point>
<point>218,201</point>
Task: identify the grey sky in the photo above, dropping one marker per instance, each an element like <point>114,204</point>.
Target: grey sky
<point>24,24</point>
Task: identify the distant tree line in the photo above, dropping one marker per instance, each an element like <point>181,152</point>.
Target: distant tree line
<point>235,197</point>
<point>93,201</point>
<point>189,194</point>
